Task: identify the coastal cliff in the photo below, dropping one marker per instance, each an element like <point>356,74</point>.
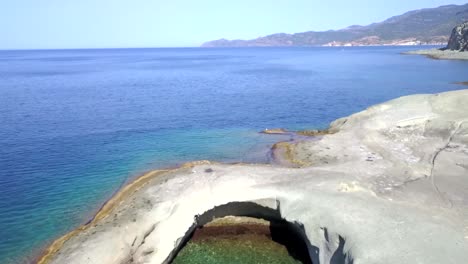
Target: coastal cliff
<point>459,39</point>
<point>456,48</point>
<point>386,185</point>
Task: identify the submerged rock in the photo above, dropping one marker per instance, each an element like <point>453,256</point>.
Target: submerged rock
<point>274,131</point>
<point>389,186</point>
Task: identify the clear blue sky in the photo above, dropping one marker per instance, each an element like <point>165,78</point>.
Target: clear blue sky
<point>26,24</point>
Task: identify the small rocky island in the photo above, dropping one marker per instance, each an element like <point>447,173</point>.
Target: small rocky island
<point>386,185</point>
<point>456,49</point>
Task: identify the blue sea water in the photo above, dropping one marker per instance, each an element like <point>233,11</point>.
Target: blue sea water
<point>77,124</point>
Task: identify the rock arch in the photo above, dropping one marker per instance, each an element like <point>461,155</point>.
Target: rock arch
<point>269,209</point>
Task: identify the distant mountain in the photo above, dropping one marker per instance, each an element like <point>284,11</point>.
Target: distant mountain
<point>425,26</point>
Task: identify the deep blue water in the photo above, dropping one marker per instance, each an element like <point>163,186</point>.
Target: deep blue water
<point>76,124</point>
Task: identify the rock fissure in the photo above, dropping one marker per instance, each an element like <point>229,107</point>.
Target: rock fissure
<point>436,155</point>
<point>133,250</point>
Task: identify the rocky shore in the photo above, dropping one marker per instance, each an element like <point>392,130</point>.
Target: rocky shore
<point>456,49</point>
<point>389,185</point>
<point>440,54</point>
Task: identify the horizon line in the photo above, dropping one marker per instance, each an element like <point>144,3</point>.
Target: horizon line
<point>200,47</point>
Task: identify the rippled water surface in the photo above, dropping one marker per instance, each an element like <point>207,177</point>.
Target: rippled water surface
<point>77,124</point>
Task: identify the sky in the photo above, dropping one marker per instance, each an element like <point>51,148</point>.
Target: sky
<point>49,24</point>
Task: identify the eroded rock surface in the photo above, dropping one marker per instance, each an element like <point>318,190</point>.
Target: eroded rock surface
<point>389,186</point>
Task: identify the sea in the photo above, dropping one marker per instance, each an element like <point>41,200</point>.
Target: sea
<point>76,125</point>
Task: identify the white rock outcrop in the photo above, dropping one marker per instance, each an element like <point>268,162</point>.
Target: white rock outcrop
<point>390,186</point>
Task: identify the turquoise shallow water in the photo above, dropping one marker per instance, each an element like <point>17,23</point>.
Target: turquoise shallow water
<point>77,124</point>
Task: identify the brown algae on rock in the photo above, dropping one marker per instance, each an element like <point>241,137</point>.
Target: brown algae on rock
<point>314,132</point>
<point>283,154</point>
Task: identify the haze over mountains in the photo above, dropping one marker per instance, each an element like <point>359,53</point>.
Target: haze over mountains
<point>424,26</point>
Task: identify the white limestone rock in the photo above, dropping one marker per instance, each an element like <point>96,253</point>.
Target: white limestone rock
<point>390,186</point>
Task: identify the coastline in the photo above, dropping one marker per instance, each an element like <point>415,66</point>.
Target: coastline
<point>280,151</point>
<point>440,54</point>
<point>346,174</point>
<point>135,185</point>
<point>103,212</point>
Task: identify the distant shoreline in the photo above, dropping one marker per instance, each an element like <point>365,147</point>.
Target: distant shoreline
<point>200,47</point>
<point>323,46</point>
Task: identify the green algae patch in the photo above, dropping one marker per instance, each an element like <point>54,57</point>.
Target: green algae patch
<point>235,243</point>
<point>243,249</point>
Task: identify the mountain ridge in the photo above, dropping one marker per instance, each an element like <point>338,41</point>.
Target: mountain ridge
<point>416,27</point>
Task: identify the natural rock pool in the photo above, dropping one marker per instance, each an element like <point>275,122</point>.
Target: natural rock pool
<point>244,240</point>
